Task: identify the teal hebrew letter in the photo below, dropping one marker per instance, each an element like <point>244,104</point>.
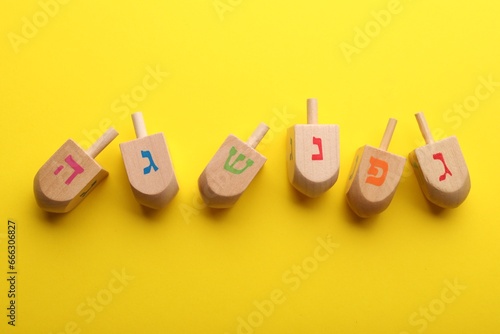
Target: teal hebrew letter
<point>230,167</point>
<point>147,154</point>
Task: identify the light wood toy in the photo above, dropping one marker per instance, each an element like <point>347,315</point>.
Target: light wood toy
<point>231,170</point>
<point>313,154</point>
<point>440,169</point>
<point>374,176</point>
<point>149,167</point>
<point>70,175</point>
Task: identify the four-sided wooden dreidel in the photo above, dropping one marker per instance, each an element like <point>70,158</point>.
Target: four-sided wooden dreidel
<point>440,169</point>
<point>374,176</point>
<point>231,170</point>
<point>70,175</point>
<point>149,167</point>
<point>313,154</point>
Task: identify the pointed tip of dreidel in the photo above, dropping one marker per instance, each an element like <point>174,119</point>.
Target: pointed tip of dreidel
<point>149,166</point>
<point>70,174</point>
<point>313,154</point>
<point>231,170</point>
<point>440,168</point>
<point>374,176</point>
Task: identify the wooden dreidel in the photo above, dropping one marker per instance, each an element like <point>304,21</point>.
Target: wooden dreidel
<point>70,175</point>
<point>231,170</point>
<point>313,154</point>
<point>440,169</point>
<point>149,167</point>
<point>374,176</point>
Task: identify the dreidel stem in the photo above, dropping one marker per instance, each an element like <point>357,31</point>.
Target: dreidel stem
<point>389,130</point>
<point>139,125</point>
<point>312,111</point>
<point>102,142</point>
<point>424,128</point>
<point>257,135</point>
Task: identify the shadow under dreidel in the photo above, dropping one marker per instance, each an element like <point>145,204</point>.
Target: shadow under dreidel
<point>435,209</point>
<point>411,190</point>
<point>52,218</point>
<point>356,220</point>
<point>421,203</point>
<point>57,218</point>
<point>216,215</point>
<point>153,215</point>
<point>299,198</point>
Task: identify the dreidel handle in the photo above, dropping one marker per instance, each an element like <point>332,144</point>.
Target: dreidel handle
<point>424,128</point>
<point>312,111</point>
<point>389,130</point>
<point>139,125</point>
<point>102,142</point>
<point>257,135</point>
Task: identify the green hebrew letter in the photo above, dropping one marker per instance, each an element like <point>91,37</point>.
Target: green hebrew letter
<point>230,167</point>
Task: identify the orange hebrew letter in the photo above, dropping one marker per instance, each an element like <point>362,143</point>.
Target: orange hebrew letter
<point>375,165</point>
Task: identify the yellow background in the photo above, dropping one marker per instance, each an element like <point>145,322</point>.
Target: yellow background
<point>194,270</point>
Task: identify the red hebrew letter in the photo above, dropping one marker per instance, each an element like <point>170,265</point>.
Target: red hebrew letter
<point>439,156</point>
<point>318,142</point>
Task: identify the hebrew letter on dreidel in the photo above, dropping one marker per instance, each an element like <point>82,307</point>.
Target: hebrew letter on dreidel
<point>439,156</point>
<point>375,165</point>
<point>147,154</point>
<point>73,164</point>
<point>230,167</point>
<point>319,143</point>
